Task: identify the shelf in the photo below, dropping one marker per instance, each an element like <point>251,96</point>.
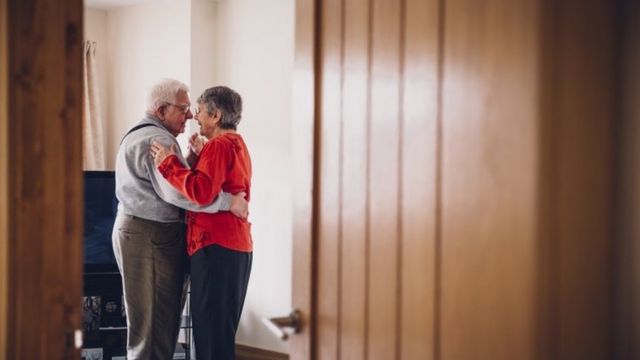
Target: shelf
<point>104,319</point>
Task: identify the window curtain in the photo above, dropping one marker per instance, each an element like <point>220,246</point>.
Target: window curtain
<point>93,129</point>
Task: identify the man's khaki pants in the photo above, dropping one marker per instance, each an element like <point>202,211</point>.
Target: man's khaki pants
<point>152,260</point>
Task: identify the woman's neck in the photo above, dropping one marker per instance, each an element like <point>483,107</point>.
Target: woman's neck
<point>219,131</point>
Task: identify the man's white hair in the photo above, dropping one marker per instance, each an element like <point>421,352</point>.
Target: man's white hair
<point>163,93</point>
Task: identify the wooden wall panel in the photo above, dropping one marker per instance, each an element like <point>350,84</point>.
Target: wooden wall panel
<point>354,180</point>
<point>4,175</point>
<point>489,180</point>
<point>582,122</point>
<point>419,154</point>
<point>329,236</point>
<point>45,183</point>
<point>384,181</point>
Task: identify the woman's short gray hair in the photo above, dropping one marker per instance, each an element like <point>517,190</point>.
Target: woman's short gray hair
<point>163,93</point>
<point>227,101</point>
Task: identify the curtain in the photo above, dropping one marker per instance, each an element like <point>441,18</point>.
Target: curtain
<point>93,129</point>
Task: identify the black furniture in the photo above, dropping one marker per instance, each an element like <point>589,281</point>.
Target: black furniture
<point>104,320</point>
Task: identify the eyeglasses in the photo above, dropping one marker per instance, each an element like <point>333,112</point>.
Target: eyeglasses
<point>184,108</point>
<point>196,111</point>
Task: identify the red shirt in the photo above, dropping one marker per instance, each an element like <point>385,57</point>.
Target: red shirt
<point>224,164</point>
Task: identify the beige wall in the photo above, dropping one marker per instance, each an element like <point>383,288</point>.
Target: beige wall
<point>203,54</point>
<point>254,55</point>
<point>144,47</point>
<point>200,56</point>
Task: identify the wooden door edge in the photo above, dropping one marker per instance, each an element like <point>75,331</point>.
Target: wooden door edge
<point>303,142</point>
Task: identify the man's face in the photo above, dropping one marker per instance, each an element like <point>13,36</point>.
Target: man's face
<point>177,114</point>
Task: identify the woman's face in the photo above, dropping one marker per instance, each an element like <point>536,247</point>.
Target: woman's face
<point>207,122</point>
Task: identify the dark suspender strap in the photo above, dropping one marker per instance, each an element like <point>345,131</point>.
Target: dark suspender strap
<point>134,129</point>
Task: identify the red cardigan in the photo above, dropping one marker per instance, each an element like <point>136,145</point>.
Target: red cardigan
<point>224,164</point>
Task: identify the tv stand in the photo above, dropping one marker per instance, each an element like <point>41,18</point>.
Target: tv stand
<point>104,319</point>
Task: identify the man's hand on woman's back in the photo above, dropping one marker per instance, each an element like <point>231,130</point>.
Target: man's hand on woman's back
<point>239,205</point>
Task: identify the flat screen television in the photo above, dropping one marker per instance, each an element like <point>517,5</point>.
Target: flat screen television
<point>100,207</point>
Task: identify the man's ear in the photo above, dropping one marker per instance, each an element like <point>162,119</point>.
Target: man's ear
<point>162,110</point>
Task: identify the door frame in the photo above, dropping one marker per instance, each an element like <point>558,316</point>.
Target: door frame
<point>41,184</point>
<point>4,169</point>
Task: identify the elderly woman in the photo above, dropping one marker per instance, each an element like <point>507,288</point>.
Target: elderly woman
<point>219,244</point>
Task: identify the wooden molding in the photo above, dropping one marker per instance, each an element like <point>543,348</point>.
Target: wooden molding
<point>244,352</point>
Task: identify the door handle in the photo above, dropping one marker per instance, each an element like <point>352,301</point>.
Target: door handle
<point>283,326</point>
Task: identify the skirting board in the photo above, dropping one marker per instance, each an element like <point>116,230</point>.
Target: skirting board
<point>244,352</point>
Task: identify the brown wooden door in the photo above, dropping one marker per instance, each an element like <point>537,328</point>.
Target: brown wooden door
<point>41,171</point>
<point>453,184</point>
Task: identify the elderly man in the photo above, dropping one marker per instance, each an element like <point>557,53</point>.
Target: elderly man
<point>149,234</point>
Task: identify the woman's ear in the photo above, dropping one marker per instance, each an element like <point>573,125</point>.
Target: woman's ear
<point>217,116</point>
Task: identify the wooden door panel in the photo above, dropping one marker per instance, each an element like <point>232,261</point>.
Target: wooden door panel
<point>419,149</point>
<point>354,180</point>
<point>457,202</point>
<point>627,226</point>
<point>384,182</point>
<point>581,125</point>
<point>305,102</point>
<point>328,253</point>
<point>328,278</point>
<point>489,180</point>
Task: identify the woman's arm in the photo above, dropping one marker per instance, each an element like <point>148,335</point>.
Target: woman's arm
<point>196,143</point>
<point>200,185</point>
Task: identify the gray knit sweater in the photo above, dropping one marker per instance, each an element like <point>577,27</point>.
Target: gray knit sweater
<point>141,189</point>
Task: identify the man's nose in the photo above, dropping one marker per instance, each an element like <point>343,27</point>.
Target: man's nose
<point>189,115</point>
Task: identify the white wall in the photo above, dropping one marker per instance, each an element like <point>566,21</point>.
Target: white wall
<point>248,46</point>
<point>254,56</point>
<point>203,51</point>
<point>96,30</point>
<point>147,42</point>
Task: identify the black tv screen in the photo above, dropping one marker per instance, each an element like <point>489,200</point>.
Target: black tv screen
<point>100,207</point>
